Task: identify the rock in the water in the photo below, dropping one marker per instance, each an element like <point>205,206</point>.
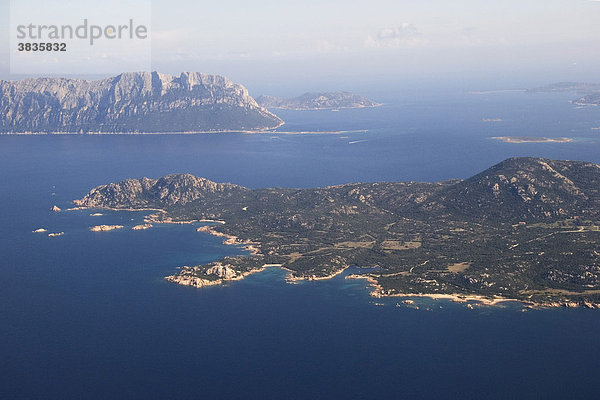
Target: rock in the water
<point>141,227</point>
<point>105,228</point>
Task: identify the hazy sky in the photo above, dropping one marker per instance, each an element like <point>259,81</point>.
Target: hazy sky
<point>282,45</point>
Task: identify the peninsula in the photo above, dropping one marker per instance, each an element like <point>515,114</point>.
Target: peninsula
<point>526,229</point>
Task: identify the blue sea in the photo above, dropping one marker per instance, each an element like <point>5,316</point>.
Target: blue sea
<point>88,316</point>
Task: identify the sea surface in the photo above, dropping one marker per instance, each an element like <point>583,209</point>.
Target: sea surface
<point>88,316</point>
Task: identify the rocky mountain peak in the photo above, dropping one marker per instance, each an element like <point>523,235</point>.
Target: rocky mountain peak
<point>175,189</point>
<point>524,188</point>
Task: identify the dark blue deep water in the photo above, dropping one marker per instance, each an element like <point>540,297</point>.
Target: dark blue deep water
<point>88,315</point>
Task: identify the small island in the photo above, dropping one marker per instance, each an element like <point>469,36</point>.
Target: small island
<point>105,228</point>
<point>141,227</point>
<point>526,229</point>
<point>317,101</point>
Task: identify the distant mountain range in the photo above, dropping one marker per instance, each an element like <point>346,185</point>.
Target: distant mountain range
<point>525,229</point>
<point>131,102</point>
<point>317,101</point>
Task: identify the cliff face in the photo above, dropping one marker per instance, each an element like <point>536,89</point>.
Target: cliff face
<point>131,102</point>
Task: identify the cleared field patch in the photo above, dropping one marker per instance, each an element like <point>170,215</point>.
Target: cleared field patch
<point>294,256</point>
<point>355,245</point>
<point>458,267</point>
<point>573,224</point>
<point>400,245</point>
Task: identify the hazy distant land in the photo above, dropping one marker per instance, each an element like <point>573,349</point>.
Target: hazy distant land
<point>530,139</point>
<point>317,101</point>
<point>589,92</point>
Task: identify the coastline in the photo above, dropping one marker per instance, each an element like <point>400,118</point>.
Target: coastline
<point>258,130</point>
<point>327,108</point>
<point>198,282</point>
<point>114,209</point>
<point>527,139</point>
<point>271,131</point>
<point>231,240</point>
<point>152,218</point>
<point>294,279</point>
<point>377,292</point>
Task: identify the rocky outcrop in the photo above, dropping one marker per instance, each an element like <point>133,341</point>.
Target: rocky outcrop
<point>186,277</point>
<point>317,101</point>
<point>131,102</point>
<point>198,276</point>
<point>105,228</point>
<point>141,227</point>
<point>222,271</point>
